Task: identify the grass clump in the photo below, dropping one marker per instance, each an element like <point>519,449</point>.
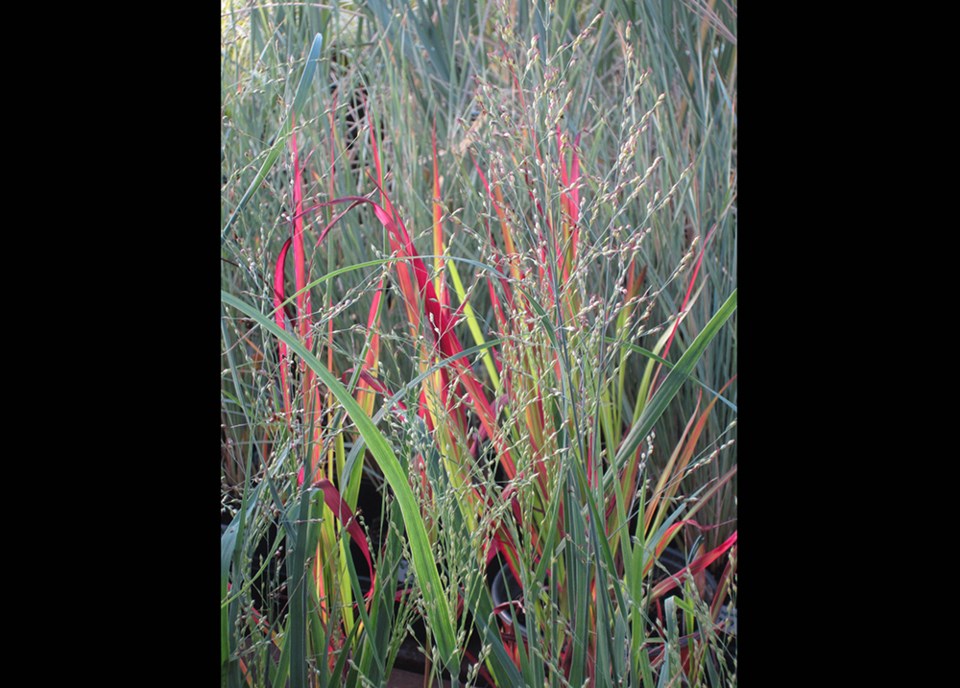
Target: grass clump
<point>479,260</point>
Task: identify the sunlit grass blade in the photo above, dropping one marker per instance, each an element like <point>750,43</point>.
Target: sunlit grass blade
<point>472,322</point>
<point>438,281</point>
<point>371,359</point>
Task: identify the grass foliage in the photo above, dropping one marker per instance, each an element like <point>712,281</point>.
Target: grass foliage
<point>478,272</point>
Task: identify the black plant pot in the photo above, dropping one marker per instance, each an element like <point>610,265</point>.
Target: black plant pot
<point>505,589</point>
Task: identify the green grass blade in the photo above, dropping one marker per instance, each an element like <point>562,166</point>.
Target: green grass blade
<point>472,323</point>
<point>297,582</point>
<point>224,627</point>
<point>672,646</point>
<point>671,385</point>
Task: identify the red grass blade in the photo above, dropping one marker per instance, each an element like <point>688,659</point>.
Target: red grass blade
<point>696,566</point>
<point>299,255</point>
<point>279,298</point>
<point>345,515</point>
